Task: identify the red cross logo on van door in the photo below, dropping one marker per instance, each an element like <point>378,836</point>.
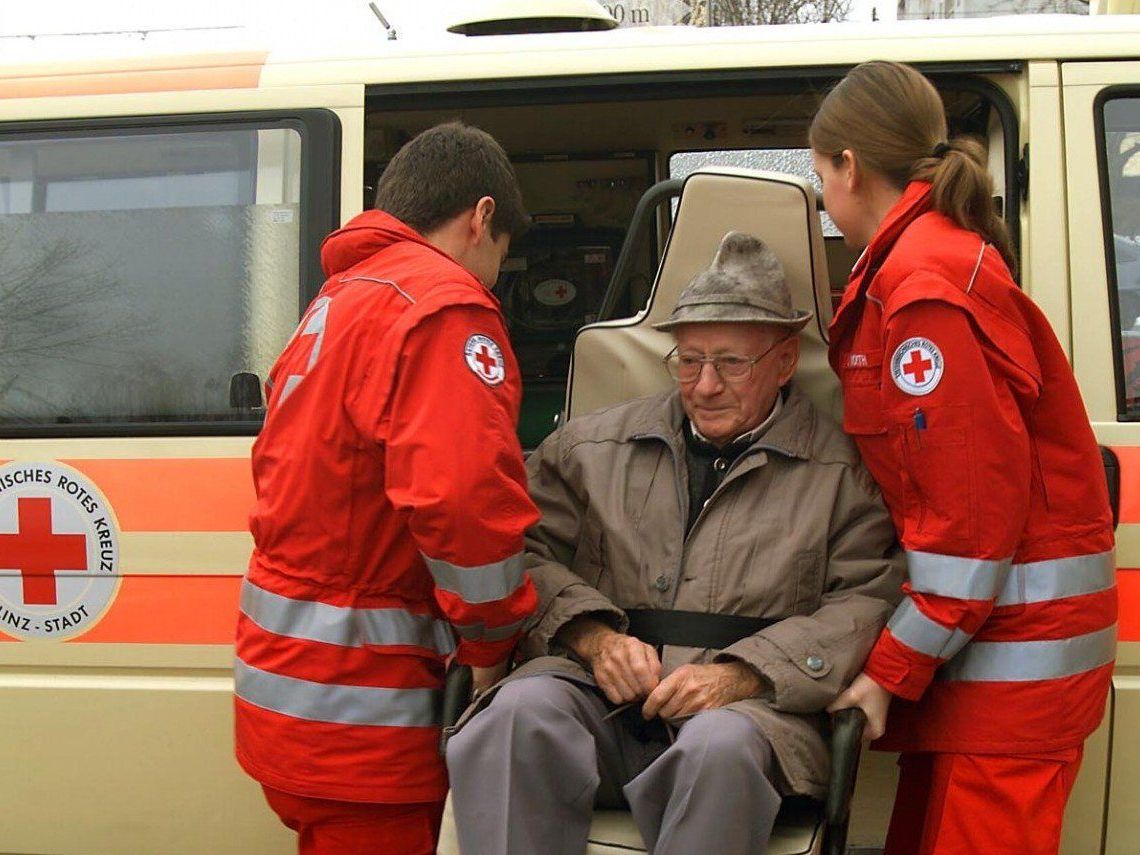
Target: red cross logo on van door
<point>38,553</point>
<point>917,367</point>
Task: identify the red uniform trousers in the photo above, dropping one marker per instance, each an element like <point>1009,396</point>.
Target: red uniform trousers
<point>328,827</point>
<point>966,804</point>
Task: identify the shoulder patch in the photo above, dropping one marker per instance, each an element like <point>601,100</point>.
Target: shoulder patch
<point>485,359</point>
<point>916,366</point>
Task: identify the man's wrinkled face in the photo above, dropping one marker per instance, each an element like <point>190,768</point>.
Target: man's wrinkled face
<point>720,409</point>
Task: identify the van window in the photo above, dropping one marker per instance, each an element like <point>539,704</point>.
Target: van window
<point>793,161</point>
<point>141,267</point>
<point>1121,178</point>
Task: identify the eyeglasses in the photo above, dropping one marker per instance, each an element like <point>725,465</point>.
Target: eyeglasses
<point>687,368</point>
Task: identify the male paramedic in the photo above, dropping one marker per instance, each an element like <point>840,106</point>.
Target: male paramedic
<point>713,564</point>
<point>391,506</point>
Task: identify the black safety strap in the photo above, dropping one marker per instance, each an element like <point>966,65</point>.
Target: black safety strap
<point>692,629</point>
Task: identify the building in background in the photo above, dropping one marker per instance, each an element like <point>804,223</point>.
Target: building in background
<point>912,9</point>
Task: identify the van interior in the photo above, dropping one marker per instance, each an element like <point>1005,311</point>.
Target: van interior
<point>586,151</point>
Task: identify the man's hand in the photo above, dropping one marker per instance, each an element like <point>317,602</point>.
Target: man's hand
<point>625,668</point>
<point>870,697</point>
<point>694,688</point>
<point>484,678</point>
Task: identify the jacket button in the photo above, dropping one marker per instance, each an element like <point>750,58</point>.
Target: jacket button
<point>720,464</point>
<point>661,583</point>
<point>814,663</point>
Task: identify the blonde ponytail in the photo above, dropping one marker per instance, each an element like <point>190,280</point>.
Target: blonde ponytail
<point>892,118</point>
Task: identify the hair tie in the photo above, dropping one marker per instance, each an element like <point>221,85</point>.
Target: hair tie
<point>941,150</point>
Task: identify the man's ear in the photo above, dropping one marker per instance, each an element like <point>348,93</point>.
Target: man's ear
<point>789,359</point>
<point>481,219</point>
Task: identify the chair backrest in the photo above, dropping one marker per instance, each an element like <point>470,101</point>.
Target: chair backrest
<point>621,359</point>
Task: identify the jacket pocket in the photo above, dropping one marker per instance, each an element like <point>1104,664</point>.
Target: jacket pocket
<point>809,582</point>
<point>939,487</point>
<point>589,557</point>
<point>863,400</point>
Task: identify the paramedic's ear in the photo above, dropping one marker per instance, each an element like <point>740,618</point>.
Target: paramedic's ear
<point>851,170</point>
<point>481,219</point>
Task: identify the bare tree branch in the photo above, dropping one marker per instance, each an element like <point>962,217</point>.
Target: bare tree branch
<point>729,13</point>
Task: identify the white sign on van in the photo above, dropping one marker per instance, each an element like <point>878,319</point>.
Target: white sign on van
<point>59,551</point>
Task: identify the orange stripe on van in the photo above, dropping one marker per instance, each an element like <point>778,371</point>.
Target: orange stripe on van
<point>167,610</point>
<point>207,494</point>
<point>241,70</point>
<point>170,610</point>
<point>1129,457</point>
<point>1128,589</point>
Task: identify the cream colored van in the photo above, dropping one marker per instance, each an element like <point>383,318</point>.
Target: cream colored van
<point>161,207</point>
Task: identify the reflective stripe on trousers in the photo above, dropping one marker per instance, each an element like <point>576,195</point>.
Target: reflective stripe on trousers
<point>342,625</point>
<point>329,702</point>
<point>484,583</point>
<point>1035,582</point>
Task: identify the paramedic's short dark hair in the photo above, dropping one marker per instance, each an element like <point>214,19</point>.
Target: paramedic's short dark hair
<point>444,171</point>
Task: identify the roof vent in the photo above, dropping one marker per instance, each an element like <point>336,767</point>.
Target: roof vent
<point>515,17</point>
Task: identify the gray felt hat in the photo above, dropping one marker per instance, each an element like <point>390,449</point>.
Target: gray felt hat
<point>744,284</point>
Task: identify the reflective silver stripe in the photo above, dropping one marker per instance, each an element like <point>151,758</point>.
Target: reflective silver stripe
<point>365,705</point>
<point>341,625</point>
<point>914,629</point>
<point>482,584</point>
<point>952,576</point>
<point>479,631</point>
<point>1041,581</point>
<point>1017,661</point>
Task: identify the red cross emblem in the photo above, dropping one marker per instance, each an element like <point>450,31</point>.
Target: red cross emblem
<point>917,367</point>
<point>38,553</point>
<point>485,358</point>
<point>560,291</point>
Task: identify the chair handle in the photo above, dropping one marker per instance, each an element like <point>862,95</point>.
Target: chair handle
<point>457,690</point>
<point>846,745</point>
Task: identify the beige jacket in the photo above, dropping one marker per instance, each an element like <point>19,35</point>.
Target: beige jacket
<point>796,530</point>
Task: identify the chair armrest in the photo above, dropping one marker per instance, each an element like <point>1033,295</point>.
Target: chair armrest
<point>457,689</point>
<point>846,744</point>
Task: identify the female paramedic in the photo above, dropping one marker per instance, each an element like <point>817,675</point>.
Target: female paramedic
<point>967,414</point>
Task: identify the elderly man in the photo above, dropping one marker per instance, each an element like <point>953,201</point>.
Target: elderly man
<point>714,565</point>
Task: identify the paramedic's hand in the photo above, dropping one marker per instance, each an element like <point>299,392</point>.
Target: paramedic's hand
<point>625,668</point>
<point>694,688</point>
<point>870,697</point>
<point>484,678</point>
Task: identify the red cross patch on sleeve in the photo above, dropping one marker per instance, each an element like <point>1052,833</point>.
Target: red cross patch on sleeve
<point>485,359</point>
<point>916,366</point>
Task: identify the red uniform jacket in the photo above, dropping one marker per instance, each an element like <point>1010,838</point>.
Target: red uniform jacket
<point>967,414</point>
<point>391,506</point>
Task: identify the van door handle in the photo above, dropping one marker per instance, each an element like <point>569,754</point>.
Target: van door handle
<point>1112,476</point>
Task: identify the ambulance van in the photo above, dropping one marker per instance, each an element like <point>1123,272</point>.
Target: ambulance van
<point>162,203</point>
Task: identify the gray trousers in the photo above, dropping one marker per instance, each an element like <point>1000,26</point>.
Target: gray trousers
<point>526,771</point>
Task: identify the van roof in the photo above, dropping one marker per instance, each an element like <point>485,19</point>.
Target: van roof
<point>239,58</point>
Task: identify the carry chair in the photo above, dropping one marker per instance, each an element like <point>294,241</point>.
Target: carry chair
<point>803,827</point>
